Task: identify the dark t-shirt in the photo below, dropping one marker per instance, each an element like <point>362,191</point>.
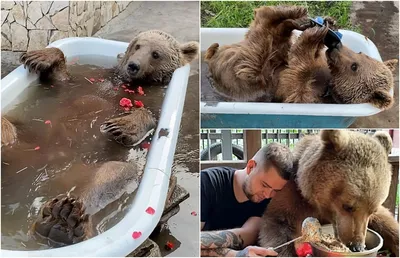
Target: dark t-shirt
<point>219,207</point>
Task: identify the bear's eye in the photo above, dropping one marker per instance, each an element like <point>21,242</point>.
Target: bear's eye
<point>137,47</point>
<point>348,208</point>
<point>354,67</point>
<point>155,55</point>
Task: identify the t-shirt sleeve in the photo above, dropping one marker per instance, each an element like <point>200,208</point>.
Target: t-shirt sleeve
<point>207,199</point>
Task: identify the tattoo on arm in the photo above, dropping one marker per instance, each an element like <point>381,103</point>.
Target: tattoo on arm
<point>215,252</point>
<point>221,239</point>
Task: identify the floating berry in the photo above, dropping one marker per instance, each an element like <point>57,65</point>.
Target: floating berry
<point>101,80</point>
<point>123,86</point>
<point>47,122</point>
<point>140,90</point>
<point>124,102</point>
<point>115,88</point>
<point>92,79</point>
<point>37,148</point>
<point>138,103</point>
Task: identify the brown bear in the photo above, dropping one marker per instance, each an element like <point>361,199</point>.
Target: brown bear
<point>151,57</point>
<point>66,220</point>
<point>342,177</point>
<point>267,66</point>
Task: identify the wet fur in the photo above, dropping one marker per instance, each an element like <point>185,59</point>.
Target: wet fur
<point>332,168</point>
<point>268,66</point>
<point>172,56</point>
<point>243,71</point>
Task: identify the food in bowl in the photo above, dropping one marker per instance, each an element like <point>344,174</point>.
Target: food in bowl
<point>312,233</point>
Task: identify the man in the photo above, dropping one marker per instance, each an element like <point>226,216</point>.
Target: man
<point>233,201</point>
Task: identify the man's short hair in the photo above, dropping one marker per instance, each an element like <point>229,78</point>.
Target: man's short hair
<point>279,156</point>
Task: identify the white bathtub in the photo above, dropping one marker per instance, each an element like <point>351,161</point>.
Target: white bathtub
<point>282,115</point>
<point>118,241</point>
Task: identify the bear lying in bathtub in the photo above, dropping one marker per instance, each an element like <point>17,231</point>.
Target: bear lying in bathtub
<point>266,66</point>
<point>151,57</point>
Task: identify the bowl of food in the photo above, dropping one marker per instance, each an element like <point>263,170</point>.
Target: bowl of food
<point>331,247</point>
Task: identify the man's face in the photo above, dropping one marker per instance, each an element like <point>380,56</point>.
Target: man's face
<point>262,183</point>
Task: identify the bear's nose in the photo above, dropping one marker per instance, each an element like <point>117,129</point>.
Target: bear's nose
<point>134,67</point>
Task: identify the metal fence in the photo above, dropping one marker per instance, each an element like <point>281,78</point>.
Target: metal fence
<point>229,144</point>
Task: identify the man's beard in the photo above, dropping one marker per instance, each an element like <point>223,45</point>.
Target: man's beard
<point>247,191</point>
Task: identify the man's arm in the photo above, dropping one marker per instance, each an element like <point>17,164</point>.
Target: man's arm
<point>237,238</point>
<point>250,251</point>
<point>218,252</point>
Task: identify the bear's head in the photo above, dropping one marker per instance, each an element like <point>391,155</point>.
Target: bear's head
<point>358,78</point>
<point>346,176</point>
<point>152,56</point>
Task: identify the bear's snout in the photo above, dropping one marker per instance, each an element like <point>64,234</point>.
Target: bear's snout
<point>133,67</point>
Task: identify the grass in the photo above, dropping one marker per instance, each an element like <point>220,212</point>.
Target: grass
<point>239,14</point>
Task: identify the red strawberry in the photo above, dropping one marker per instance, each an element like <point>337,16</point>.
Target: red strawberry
<point>304,250</point>
<point>169,245</point>
<point>124,102</point>
<point>138,103</point>
<point>136,234</point>
<point>150,211</point>
<point>140,91</point>
<point>145,145</point>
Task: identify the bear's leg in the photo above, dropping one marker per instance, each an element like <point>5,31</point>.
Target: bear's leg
<point>308,46</point>
<point>273,234</point>
<point>8,132</point>
<point>385,224</point>
<point>48,62</point>
<point>276,14</point>
<point>132,129</point>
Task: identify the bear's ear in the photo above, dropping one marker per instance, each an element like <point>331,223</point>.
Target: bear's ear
<point>336,139</point>
<point>385,140</point>
<point>190,51</point>
<point>391,64</point>
<point>381,99</point>
<point>255,11</point>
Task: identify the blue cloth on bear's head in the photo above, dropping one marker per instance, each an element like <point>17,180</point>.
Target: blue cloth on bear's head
<point>319,20</point>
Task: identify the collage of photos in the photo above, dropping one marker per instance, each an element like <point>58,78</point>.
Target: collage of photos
<point>200,128</point>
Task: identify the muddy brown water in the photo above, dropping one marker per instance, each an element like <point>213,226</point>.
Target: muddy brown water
<point>71,147</point>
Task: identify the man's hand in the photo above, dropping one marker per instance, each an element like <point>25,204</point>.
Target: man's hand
<point>256,251</point>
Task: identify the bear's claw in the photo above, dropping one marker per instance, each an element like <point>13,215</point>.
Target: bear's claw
<point>130,130</point>
<point>62,222</point>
